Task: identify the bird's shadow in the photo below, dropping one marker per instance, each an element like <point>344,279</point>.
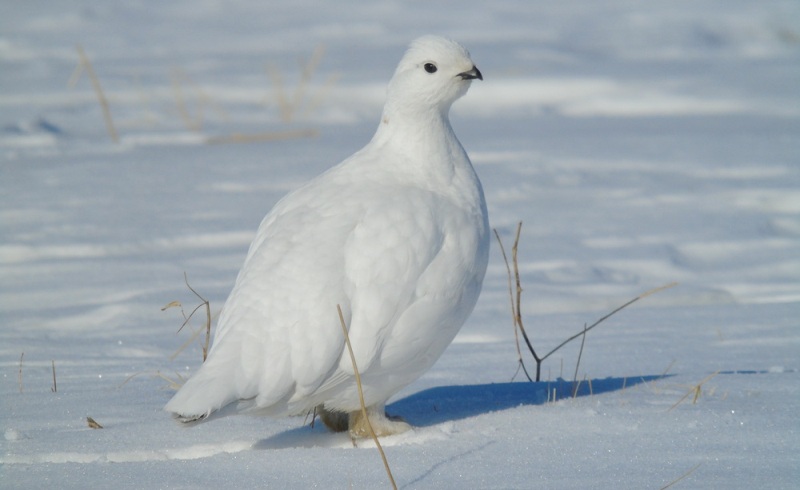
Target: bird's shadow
<point>449,403</point>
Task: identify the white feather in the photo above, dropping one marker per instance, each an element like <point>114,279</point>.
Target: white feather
<point>397,235</point>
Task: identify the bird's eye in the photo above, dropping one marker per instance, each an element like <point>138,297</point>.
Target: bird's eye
<point>430,68</point>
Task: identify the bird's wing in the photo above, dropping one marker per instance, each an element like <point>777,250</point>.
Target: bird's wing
<point>408,303</point>
<point>278,333</point>
<point>385,255</point>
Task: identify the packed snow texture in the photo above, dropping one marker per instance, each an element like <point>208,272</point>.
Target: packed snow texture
<point>640,145</point>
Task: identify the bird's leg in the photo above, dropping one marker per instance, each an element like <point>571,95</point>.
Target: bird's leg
<point>381,423</point>
<point>333,420</point>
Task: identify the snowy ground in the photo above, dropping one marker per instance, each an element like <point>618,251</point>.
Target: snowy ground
<point>640,146</point>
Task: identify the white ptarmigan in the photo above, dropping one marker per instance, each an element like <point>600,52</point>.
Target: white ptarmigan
<point>396,234</point>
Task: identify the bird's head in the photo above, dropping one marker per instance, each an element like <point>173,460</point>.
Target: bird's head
<point>433,73</point>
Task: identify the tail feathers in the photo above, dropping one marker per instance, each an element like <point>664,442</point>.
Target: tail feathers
<point>198,398</point>
<point>190,419</point>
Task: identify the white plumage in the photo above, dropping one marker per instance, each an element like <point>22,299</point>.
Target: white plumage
<point>397,235</point>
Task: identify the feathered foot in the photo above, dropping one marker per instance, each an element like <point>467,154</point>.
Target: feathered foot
<point>356,424</point>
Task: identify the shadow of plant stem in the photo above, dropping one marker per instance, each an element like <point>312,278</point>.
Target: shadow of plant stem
<point>515,293</point>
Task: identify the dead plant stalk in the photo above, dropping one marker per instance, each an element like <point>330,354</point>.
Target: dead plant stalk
<point>516,309</point>
<point>361,397</point>
<point>696,390</point>
<point>287,106</point>
<point>203,303</point>
<point>673,482</point>
<point>55,386</point>
<point>98,90</point>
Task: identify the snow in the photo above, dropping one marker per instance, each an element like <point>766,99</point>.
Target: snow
<point>640,145</point>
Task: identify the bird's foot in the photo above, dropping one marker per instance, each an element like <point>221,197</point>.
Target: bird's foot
<point>354,422</point>
<point>382,424</point>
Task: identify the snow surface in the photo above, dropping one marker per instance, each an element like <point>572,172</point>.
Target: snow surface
<point>640,144</point>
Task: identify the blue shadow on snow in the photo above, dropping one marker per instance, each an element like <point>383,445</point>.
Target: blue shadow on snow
<point>445,403</point>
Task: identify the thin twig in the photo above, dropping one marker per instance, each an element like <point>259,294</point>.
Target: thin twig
<point>520,362</point>
<point>361,396</point>
<point>307,72</point>
<point>577,364</point>
<point>518,313</point>
<point>186,319</point>
<point>516,310</point>
<point>321,95</point>
<point>208,315</point>
<point>601,320</point>
<point>189,341</point>
<point>288,106</point>
<point>193,123</point>
<point>173,384</point>
<point>284,106</point>
<point>673,482</point>
<point>201,101</point>
<point>666,369</point>
<point>55,386</point>
<point>98,90</point>
<point>696,389</point>
<point>76,75</point>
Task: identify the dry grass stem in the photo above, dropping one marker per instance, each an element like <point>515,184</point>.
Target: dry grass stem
<point>673,482</point>
<point>666,369</point>
<point>516,314</point>
<point>516,310</point>
<point>192,123</point>
<point>575,385</point>
<point>652,384</point>
<point>361,396</point>
<point>92,423</point>
<point>98,90</point>
<point>203,303</point>
<point>307,71</point>
<point>55,386</point>
<point>189,341</point>
<point>520,363</point>
<point>609,315</point>
<point>208,316</point>
<point>288,106</point>
<point>76,74</point>
<point>696,390</point>
<point>280,94</point>
<point>313,415</point>
<point>173,384</point>
<point>321,95</point>
<point>578,363</point>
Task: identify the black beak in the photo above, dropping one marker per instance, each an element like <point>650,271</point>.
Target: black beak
<point>472,74</point>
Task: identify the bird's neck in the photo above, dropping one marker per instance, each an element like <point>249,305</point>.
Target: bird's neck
<point>422,137</point>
